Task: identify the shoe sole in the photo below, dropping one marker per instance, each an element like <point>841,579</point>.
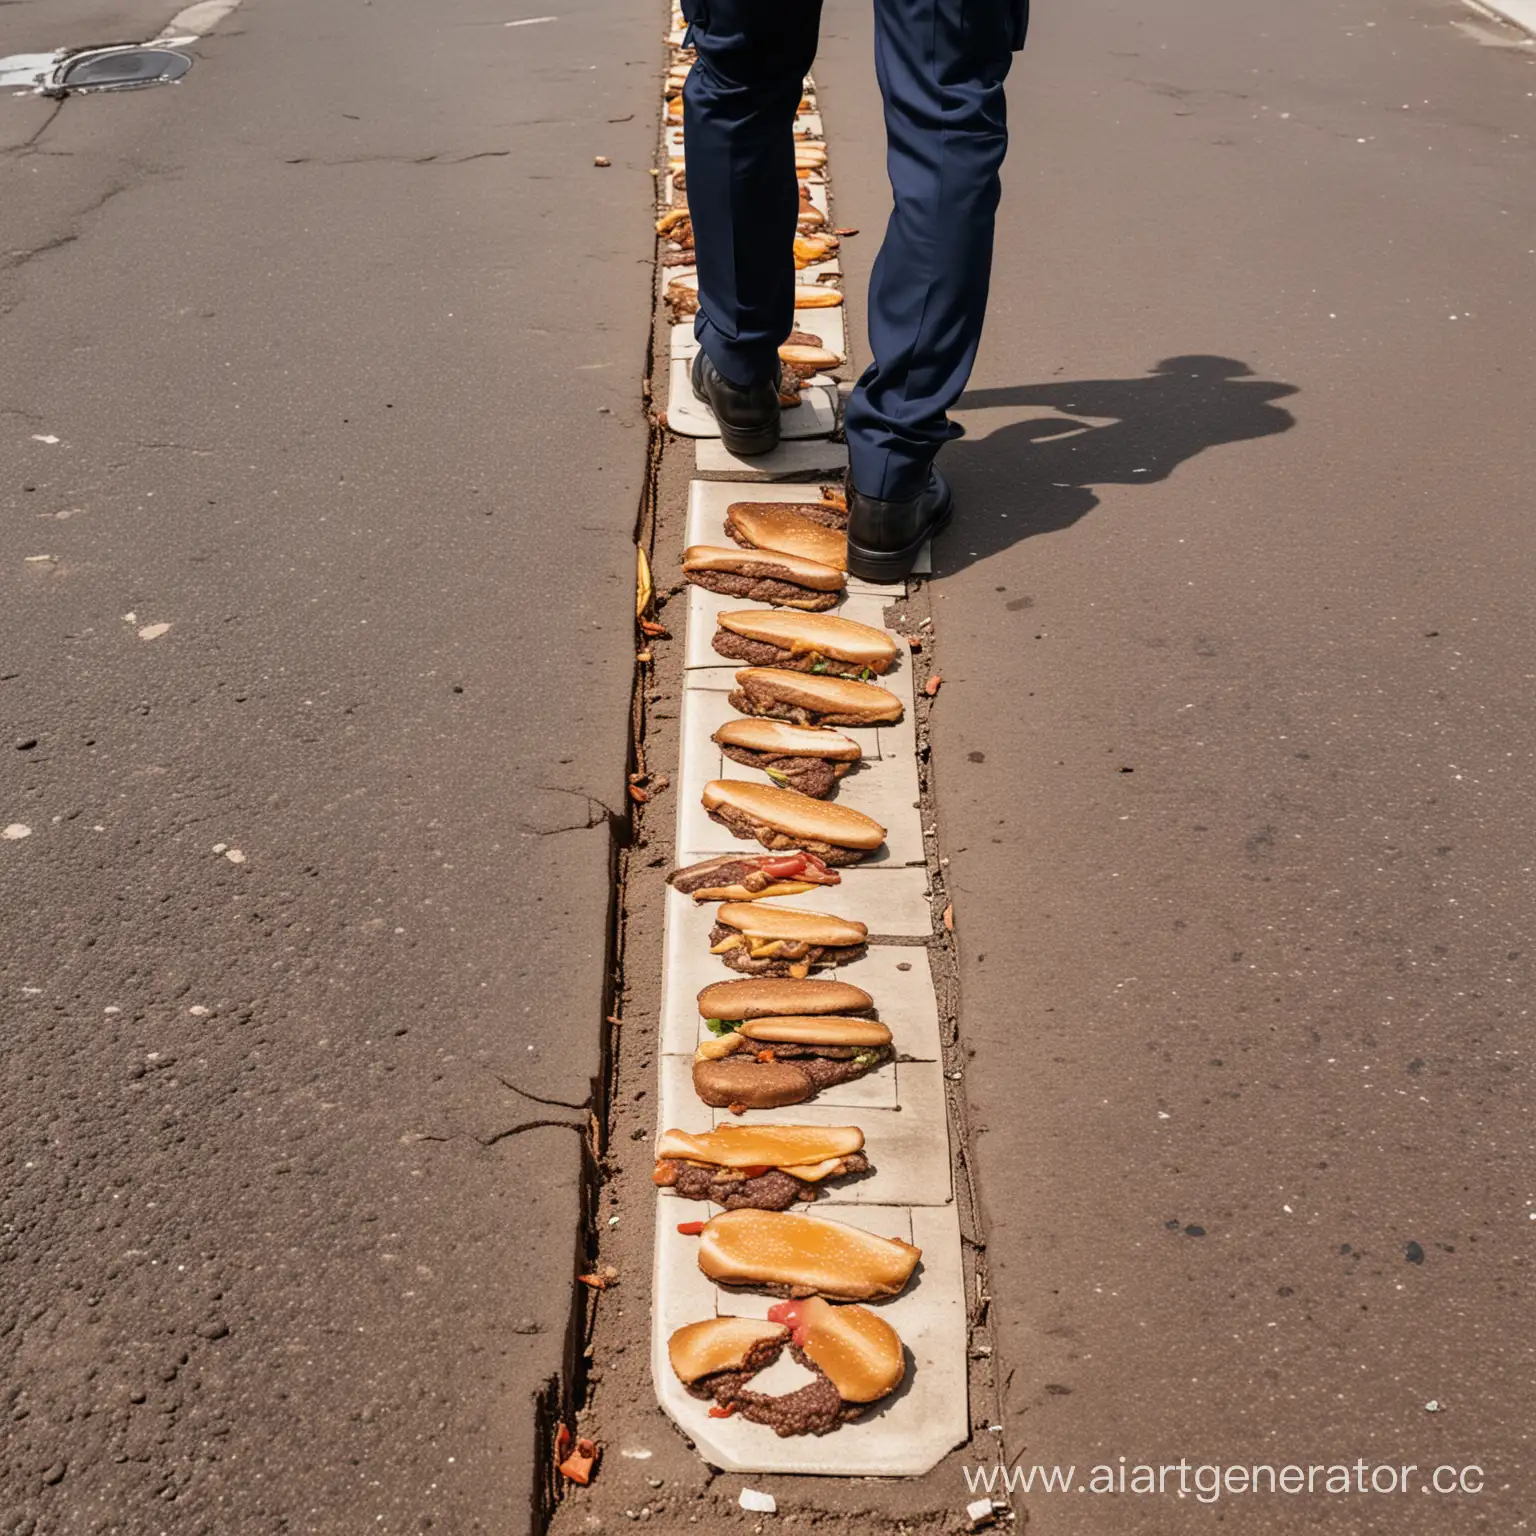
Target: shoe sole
<point>748,445</point>
<point>745,445</point>
<point>892,565</point>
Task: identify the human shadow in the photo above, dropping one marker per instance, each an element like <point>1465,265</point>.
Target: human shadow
<point>1033,477</point>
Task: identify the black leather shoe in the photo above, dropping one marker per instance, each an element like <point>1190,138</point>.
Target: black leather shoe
<point>749,418</point>
<point>884,537</point>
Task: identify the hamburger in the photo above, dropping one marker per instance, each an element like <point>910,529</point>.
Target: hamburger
<point>767,525</point>
<point>734,1002</point>
<point>791,1254</point>
<point>802,355</point>
<point>825,512</point>
<point>764,1167</point>
<point>761,940</point>
<point>770,1063</point>
<point>737,877</point>
<point>804,642</point>
<point>855,1356</point>
<point>810,698</point>
<point>764,576</point>
<point>806,759</point>
<point>779,818</point>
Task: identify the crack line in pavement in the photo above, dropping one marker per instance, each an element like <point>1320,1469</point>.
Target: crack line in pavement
<point>524,1094</point>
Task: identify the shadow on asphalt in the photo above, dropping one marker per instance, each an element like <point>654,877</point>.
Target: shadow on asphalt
<point>1139,430</point>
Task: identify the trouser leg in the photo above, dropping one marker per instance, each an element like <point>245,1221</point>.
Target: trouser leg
<point>941,65</point>
<point>738,125</point>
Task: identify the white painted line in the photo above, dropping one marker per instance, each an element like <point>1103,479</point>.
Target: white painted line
<point>197,20</point>
<point>26,69</point>
<point>1520,13</point>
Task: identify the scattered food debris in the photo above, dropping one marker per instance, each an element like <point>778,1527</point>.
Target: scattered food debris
<point>654,630</point>
<point>153,631</point>
<point>38,559</point>
<point>601,1279</point>
<point>914,642</point>
<point>933,685</point>
<point>16,831</point>
<point>601,161</point>
<point>198,1011</point>
<point>44,437</point>
<point>578,1466</point>
<point>949,918</point>
<point>644,588</point>
<point>759,1503</point>
<point>842,233</point>
<point>643,656</point>
<point>638,1453</point>
<point>638,795</point>
<point>234,856</point>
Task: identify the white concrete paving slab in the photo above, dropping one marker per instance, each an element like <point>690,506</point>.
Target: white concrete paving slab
<point>896,976</point>
<point>815,416</point>
<point>884,787</point>
<point>905,1435</point>
<point>824,324</point>
<point>786,462</point>
<point>907,1144</point>
<point>704,608</point>
<point>708,500</point>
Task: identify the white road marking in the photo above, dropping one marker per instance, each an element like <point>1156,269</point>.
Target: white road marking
<point>197,19</point>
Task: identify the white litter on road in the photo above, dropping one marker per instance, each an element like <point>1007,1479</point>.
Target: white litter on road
<point>759,1503</point>
<point>16,831</point>
<point>153,631</point>
<point>530,21</point>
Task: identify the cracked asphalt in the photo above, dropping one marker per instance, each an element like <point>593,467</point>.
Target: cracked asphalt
<point>322,452</point>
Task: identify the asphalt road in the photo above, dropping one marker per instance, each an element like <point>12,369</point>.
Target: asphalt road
<point>1234,748</point>
<point>322,453</point>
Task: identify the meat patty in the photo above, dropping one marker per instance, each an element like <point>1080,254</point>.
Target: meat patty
<point>815,1409</point>
<point>774,840</point>
<point>740,958</point>
<point>751,702</point>
<point>712,873</point>
<point>813,776</point>
<point>763,589</point>
<point>771,1191</point>
<point>759,653</point>
<point>774,1190</point>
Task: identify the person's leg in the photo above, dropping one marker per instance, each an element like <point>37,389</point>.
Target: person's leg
<point>738,126</point>
<point>941,65</point>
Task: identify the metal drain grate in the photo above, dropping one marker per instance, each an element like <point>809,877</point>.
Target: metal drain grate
<point>128,68</point>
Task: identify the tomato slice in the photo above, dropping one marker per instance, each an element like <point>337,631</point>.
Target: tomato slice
<point>754,1171</point>
<point>780,867</point>
<point>690,1228</point>
<point>722,1410</point>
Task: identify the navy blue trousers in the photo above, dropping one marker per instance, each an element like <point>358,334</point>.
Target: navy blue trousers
<point>941,66</point>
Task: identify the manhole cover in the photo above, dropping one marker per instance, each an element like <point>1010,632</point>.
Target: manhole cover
<point>118,69</point>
